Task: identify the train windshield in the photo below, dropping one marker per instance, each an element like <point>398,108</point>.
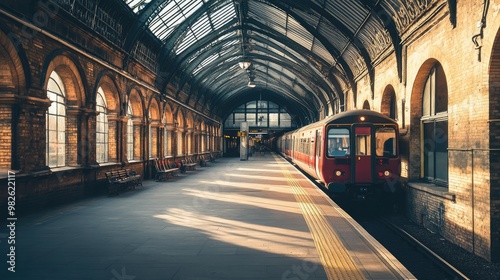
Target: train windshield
<point>386,142</point>
<point>338,142</point>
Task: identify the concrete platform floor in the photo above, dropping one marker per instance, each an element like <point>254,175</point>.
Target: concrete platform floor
<point>232,220</point>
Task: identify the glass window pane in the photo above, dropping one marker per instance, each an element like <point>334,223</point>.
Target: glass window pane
<point>262,120</point>
<point>61,137</point>
<point>429,147</point>
<point>363,145</point>
<point>385,142</point>
<point>441,91</point>
<point>60,150</point>
<point>53,108</point>
<point>60,160</point>
<point>252,105</point>
<point>262,104</point>
<point>52,149</point>
<point>99,150</point>
<point>426,104</point>
<point>61,109</point>
<point>52,122</point>
<point>338,142</point>
<point>239,118</point>
<point>61,124</point>
<point>273,119</point>
<point>52,138</point>
<point>285,120</point>
<point>441,143</point>
<point>52,160</point>
<point>251,119</point>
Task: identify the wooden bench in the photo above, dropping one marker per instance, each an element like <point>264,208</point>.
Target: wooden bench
<point>214,156</point>
<point>122,179</point>
<point>189,163</point>
<point>165,168</point>
<point>204,159</point>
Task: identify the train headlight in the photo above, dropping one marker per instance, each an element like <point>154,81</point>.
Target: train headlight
<point>387,173</point>
<point>338,173</point>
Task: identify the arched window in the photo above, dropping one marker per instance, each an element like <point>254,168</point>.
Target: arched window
<point>56,122</point>
<point>392,107</point>
<point>366,105</point>
<point>102,131</point>
<point>260,114</point>
<point>130,133</point>
<point>435,126</point>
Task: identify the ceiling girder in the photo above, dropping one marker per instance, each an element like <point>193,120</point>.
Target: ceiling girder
<point>318,78</point>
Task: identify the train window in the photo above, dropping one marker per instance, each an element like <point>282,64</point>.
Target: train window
<point>385,142</point>
<point>338,142</point>
<point>363,144</point>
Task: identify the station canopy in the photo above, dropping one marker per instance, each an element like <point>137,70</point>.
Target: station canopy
<point>303,54</point>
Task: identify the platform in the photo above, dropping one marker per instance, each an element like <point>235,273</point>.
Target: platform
<point>255,219</point>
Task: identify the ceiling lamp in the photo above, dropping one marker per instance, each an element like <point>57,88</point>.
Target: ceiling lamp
<point>244,64</point>
<point>251,84</point>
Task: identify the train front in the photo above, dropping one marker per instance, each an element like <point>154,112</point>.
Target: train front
<point>362,155</point>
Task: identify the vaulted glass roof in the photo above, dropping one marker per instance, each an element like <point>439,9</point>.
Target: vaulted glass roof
<point>308,53</point>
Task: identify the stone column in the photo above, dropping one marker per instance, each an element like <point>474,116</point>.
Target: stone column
<point>88,137</point>
<point>28,132</point>
<point>121,148</point>
<point>114,130</point>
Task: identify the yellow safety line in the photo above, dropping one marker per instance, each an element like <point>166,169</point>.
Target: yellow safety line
<point>336,260</point>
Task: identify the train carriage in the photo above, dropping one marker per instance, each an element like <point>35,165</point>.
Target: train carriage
<point>354,153</point>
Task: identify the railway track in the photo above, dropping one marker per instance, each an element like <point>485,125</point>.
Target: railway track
<point>413,254</point>
<point>449,269</point>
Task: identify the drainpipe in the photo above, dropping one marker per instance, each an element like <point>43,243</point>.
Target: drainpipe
<point>481,25</point>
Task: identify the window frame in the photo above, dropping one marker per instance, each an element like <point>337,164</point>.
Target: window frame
<point>103,113</point>
<point>330,154</point>
<point>429,115</point>
<point>130,133</point>
<point>56,98</point>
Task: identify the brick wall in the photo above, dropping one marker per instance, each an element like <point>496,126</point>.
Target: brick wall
<point>466,211</point>
<point>5,136</point>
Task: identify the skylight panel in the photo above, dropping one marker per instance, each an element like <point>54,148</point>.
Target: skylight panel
<point>205,62</point>
<point>137,5</point>
<point>223,15</point>
<point>188,7</point>
<point>188,41</point>
<point>206,24</point>
<point>171,16</point>
<point>201,27</point>
<point>298,34</point>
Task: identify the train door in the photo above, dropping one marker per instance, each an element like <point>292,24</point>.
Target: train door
<point>317,152</point>
<point>363,159</point>
<point>311,142</point>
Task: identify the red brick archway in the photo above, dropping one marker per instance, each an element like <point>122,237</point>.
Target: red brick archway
<point>494,94</point>
<point>388,105</point>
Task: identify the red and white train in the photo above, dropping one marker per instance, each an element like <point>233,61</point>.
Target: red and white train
<point>354,153</point>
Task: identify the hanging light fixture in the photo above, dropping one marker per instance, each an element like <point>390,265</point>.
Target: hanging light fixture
<point>244,64</point>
